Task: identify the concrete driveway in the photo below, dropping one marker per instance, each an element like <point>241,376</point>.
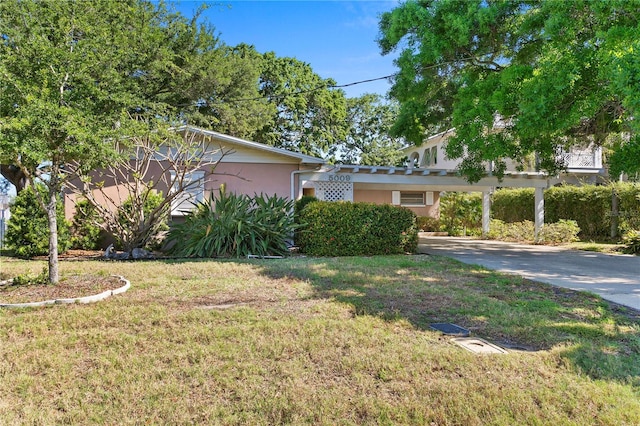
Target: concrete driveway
<point>613,277</point>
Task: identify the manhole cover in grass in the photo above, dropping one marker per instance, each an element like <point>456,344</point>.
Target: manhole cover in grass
<point>450,329</point>
<point>479,346</point>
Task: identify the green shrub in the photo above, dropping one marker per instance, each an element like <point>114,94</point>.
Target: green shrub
<point>588,205</point>
<point>85,233</point>
<point>428,223</point>
<point>298,206</point>
<point>28,229</point>
<point>461,213</point>
<point>302,202</point>
<point>235,225</point>
<point>563,231</point>
<point>628,206</point>
<point>513,205</point>
<point>28,279</point>
<point>631,241</point>
<point>354,229</point>
<point>514,231</point>
<point>132,237</point>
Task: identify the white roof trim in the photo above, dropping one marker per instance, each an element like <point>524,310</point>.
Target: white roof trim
<point>307,159</point>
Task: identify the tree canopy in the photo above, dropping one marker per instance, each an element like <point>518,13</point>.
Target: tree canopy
<point>368,141</point>
<point>309,115</point>
<point>518,77</point>
<point>75,77</point>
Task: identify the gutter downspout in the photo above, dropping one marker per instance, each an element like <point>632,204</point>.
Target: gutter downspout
<point>293,179</point>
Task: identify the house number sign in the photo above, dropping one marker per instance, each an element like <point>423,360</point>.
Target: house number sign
<point>340,178</point>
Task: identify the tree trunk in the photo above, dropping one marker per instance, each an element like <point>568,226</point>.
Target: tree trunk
<point>15,175</point>
<point>615,214</point>
<point>53,237</point>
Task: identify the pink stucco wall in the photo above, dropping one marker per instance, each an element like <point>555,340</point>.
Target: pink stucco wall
<point>250,178</point>
<point>371,196</point>
<point>247,178</point>
<point>384,197</point>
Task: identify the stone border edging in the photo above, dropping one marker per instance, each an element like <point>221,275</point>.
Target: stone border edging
<point>85,299</point>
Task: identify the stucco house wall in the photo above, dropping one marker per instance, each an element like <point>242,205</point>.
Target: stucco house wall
<point>386,197</point>
<point>246,168</point>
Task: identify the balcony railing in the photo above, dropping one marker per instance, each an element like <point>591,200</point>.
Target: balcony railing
<point>584,159</point>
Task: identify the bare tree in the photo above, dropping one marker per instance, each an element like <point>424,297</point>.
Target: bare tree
<point>160,162</point>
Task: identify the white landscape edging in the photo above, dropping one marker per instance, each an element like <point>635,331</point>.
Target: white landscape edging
<point>86,299</point>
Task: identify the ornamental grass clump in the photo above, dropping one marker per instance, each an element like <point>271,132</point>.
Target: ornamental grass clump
<point>234,225</point>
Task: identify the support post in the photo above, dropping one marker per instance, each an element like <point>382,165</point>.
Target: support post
<point>539,213</point>
<point>486,213</point>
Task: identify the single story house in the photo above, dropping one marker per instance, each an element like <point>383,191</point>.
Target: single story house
<point>251,167</point>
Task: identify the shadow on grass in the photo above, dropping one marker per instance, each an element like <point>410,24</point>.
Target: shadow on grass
<point>601,339</point>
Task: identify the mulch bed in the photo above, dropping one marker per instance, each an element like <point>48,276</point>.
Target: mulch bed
<point>68,287</point>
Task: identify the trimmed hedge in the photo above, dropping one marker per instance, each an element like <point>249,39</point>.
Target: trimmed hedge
<point>356,229</point>
<point>588,205</point>
<point>513,205</point>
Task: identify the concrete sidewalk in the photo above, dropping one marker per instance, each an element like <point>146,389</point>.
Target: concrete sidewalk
<point>613,277</point>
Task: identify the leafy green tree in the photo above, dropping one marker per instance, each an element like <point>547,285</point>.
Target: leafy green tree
<point>226,91</point>
<point>309,117</point>
<point>517,77</point>
<point>75,78</point>
<point>368,141</point>
<point>27,231</point>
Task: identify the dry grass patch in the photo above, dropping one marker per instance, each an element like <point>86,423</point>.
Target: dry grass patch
<point>316,341</point>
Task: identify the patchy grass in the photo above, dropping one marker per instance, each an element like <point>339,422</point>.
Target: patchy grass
<point>597,246</point>
<point>318,341</point>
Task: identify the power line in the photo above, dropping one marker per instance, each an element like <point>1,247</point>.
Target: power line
<point>337,86</point>
<point>314,89</point>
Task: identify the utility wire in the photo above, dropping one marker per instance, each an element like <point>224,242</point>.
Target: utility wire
<point>314,89</point>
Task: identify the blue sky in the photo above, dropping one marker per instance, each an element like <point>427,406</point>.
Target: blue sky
<point>337,38</point>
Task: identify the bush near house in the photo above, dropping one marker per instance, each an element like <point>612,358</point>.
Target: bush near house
<point>589,205</point>
<point>133,232</point>
<point>631,241</point>
<point>514,205</point>
<point>461,213</point>
<point>89,231</point>
<point>428,224</point>
<point>563,231</point>
<point>234,225</point>
<point>28,230</point>
<point>354,229</point>
<point>85,233</point>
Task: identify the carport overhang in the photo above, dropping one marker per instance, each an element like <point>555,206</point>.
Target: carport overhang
<point>419,179</point>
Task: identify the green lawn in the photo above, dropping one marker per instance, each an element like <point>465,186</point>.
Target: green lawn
<point>317,341</point>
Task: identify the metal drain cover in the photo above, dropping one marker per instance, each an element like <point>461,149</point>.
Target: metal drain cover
<point>479,346</point>
<point>450,329</point>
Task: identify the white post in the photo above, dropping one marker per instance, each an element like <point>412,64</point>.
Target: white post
<point>539,213</point>
<point>486,212</point>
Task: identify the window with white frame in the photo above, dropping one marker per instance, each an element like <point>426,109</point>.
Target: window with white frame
<point>193,182</point>
<point>412,198</point>
<point>426,157</point>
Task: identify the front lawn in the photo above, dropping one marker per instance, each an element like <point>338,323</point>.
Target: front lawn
<point>317,341</point>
